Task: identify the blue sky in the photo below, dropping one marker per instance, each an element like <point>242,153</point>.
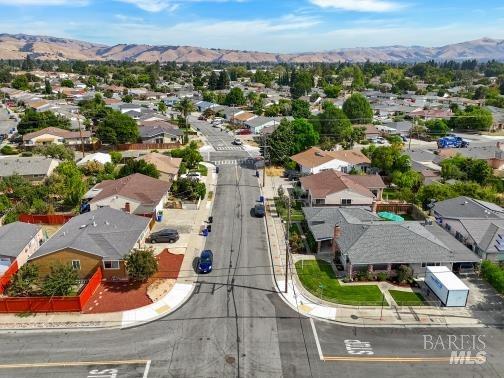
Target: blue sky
<point>260,25</point>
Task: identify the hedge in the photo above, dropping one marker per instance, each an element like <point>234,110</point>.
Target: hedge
<point>494,274</point>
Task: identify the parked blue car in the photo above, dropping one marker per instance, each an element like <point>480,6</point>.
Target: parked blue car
<point>205,261</point>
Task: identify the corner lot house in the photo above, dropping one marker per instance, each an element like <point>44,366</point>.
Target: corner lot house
<point>136,194</point>
<point>18,241</point>
<point>340,189</point>
<point>35,169</point>
<point>54,135</point>
<point>101,238</point>
<point>316,160</point>
<point>166,165</point>
<point>477,224</point>
<point>363,242</point>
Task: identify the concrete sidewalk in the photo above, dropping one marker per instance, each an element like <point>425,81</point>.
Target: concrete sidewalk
<point>302,301</point>
<point>172,300</point>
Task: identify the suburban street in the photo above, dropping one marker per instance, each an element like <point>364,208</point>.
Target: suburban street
<point>235,324</point>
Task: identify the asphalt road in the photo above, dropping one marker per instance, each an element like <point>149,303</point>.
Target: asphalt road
<point>236,325</point>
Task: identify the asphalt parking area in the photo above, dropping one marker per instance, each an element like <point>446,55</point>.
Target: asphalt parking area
<point>77,369</point>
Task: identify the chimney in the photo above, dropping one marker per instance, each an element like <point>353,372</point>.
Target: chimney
<point>127,207</point>
<point>374,207</point>
<point>336,236</point>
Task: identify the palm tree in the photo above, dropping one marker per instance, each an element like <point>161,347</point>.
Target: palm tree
<point>185,107</point>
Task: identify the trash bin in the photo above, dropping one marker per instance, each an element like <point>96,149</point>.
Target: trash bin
<point>209,228</point>
<point>210,219</point>
<point>216,169</point>
<point>205,232</point>
<point>261,199</point>
<point>159,216</point>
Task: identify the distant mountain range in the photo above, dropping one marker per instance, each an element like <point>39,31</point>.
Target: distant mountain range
<point>18,46</point>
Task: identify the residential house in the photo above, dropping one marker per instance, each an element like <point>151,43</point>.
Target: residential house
<point>363,242</point>
<point>257,124</point>
<point>333,188</point>
<point>98,239</point>
<point>98,157</point>
<point>54,135</point>
<point>160,132</point>
<point>204,105</point>
<point>370,131</point>
<point>125,108</point>
<point>35,169</point>
<point>136,194</point>
<point>39,105</point>
<point>242,117</point>
<point>18,241</point>
<point>429,114</point>
<point>429,171</point>
<point>477,224</point>
<point>493,154</point>
<point>167,166</point>
<point>498,118</point>
<point>315,160</point>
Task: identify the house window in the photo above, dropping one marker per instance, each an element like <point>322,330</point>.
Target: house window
<point>320,201</point>
<point>112,264</point>
<point>76,264</point>
<point>346,202</point>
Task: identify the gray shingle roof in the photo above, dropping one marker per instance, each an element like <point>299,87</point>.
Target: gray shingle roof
<point>36,165</point>
<point>467,208</point>
<point>15,236</point>
<point>105,232</point>
<point>367,240</point>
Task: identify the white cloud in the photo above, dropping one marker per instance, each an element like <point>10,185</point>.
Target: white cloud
<point>359,5</point>
<point>152,5</point>
<point>44,3</point>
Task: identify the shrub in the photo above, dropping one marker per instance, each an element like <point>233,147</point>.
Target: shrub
<point>404,274</point>
<point>494,274</point>
<point>382,276</point>
<point>26,154</point>
<point>9,150</point>
<point>141,264</point>
<point>115,156</point>
<point>23,283</point>
<point>61,281</point>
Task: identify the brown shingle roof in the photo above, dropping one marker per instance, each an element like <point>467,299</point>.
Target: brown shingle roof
<point>164,164</point>
<point>245,116</point>
<point>58,132</point>
<point>327,182</point>
<point>144,189</point>
<point>315,157</point>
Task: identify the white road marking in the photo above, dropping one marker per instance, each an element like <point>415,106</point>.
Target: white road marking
<point>319,348</point>
<point>147,367</point>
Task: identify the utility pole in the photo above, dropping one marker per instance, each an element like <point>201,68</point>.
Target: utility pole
<point>411,133</point>
<point>265,149</point>
<point>287,244</point>
<point>81,137</point>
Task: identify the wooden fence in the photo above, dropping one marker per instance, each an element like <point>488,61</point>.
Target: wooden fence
<point>53,219</point>
<point>147,146</point>
<point>5,279</point>
<point>52,304</point>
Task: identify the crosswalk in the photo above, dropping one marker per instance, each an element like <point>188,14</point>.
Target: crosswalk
<point>228,162</point>
<point>228,148</point>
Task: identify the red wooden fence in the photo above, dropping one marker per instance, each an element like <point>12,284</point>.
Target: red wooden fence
<point>45,218</point>
<point>5,279</point>
<point>52,304</point>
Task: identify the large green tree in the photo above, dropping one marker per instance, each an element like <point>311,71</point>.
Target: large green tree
<point>472,118</point>
<point>62,281</point>
<point>33,121</point>
<point>68,181</point>
<point>300,109</point>
<point>117,128</point>
<point>138,166</point>
<point>235,97</point>
<point>358,109</point>
<point>302,83</point>
<point>141,264</point>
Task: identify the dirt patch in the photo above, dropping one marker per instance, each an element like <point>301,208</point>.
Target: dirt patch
<point>274,171</point>
<point>159,288</point>
<point>50,230</point>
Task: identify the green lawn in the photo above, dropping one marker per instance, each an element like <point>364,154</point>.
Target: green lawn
<point>406,298</point>
<point>390,194</point>
<point>314,273</point>
<point>296,212</point>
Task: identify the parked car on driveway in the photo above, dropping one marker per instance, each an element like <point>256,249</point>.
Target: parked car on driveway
<point>196,176</point>
<point>237,142</point>
<point>164,236</point>
<point>205,261</point>
<point>259,210</point>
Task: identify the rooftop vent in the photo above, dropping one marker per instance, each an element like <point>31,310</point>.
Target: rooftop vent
<point>318,153</point>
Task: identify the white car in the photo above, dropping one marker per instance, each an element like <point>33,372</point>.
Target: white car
<point>237,142</point>
<point>192,176</point>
